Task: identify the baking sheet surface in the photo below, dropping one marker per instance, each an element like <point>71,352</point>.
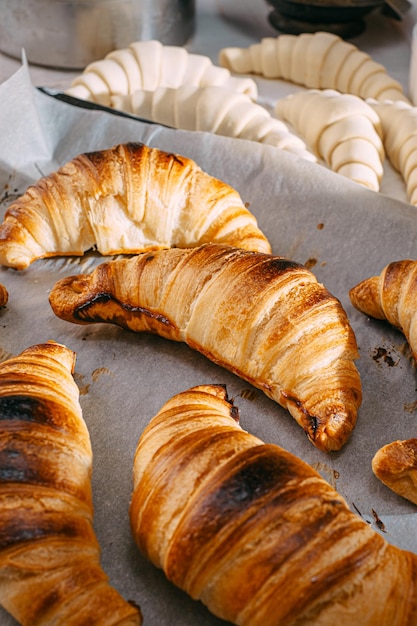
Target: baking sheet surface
<point>311,215</point>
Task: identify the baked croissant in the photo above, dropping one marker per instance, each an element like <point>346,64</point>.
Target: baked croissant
<point>147,65</point>
<point>390,296</point>
<point>4,295</point>
<point>264,318</point>
<point>254,532</point>
<point>216,110</point>
<point>399,126</point>
<point>341,129</point>
<point>124,200</point>
<point>50,569</point>
<point>395,464</point>
<point>317,60</point>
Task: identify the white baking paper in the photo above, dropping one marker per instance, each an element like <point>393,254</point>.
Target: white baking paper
<point>311,215</point>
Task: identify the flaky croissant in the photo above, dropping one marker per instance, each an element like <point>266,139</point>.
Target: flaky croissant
<point>4,295</point>
<point>391,296</point>
<point>50,569</point>
<point>395,464</point>
<point>399,126</point>
<point>264,318</point>
<point>125,200</point>
<point>254,532</point>
<point>216,110</point>
<point>317,60</point>
<point>341,129</point>
<point>147,65</point>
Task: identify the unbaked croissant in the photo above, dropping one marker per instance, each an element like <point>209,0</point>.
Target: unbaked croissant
<point>317,60</point>
<point>50,570</point>
<point>264,318</point>
<point>254,532</point>
<point>391,296</point>
<point>399,126</point>
<point>216,110</point>
<point>395,464</point>
<point>147,65</point>
<point>125,200</point>
<point>341,129</point>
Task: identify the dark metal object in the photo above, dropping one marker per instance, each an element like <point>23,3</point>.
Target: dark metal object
<point>341,17</point>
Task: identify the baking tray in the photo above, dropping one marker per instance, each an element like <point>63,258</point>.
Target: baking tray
<point>311,215</point>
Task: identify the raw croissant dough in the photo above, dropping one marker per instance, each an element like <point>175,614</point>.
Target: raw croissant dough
<point>216,110</point>
<point>50,569</point>
<point>148,65</point>
<point>391,296</point>
<point>341,129</point>
<point>264,318</point>
<point>254,532</point>
<point>399,126</point>
<point>315,60</point>
<point>395,464</point>
<point>125,200</point>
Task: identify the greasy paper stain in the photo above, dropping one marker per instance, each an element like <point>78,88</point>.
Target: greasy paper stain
<point>327,473</point>
<point>248,394</point>
<point>99,372</point>
<point>4,355</point>
<point>382,354</point>
<point>410,407</point>
<point>310,263</point>
<point>83,386</point>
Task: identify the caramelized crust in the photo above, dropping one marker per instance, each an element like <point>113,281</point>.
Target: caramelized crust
<point>4,295</point>
<point>395,464</point>
<point>264,318</point>
<point>125,200</point>
<point>50,569</point>
<point>254,532</point>
<point>391,296</point>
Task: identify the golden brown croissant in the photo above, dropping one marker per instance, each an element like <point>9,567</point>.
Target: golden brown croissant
<point>4,295</point>
<point>395,464</point>
<point>50,569</point>
<point>125,200</point>
<point>254,532</point>
<point>391,296</point>
<point>264,318</point>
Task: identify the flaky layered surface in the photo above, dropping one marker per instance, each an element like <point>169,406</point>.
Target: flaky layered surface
<point>265,318</point>
<point>255,533</point>
<point>391,296</point>
<point>50,569</point>
<point>125,200</point>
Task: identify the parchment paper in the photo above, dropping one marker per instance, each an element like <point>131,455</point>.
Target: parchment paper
<point>310,214</point>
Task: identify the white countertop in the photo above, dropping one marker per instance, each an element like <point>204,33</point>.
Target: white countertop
<point>227,22</point>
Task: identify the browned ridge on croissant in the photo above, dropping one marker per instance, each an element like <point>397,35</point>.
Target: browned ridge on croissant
<point>50,569</point>
<point>391,296</point>
<point>265,318</point>
<point>395,464</point>
<point>254,532</point>
<point>125,200</point>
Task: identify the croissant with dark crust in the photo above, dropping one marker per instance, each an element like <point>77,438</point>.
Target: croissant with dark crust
<point>4,295</point>
<point>255,533</point>
<point>265,318</point>
<point>49,555</point>
<point>391,296</point>
<point>125,200</point>
<point>395,464</point>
